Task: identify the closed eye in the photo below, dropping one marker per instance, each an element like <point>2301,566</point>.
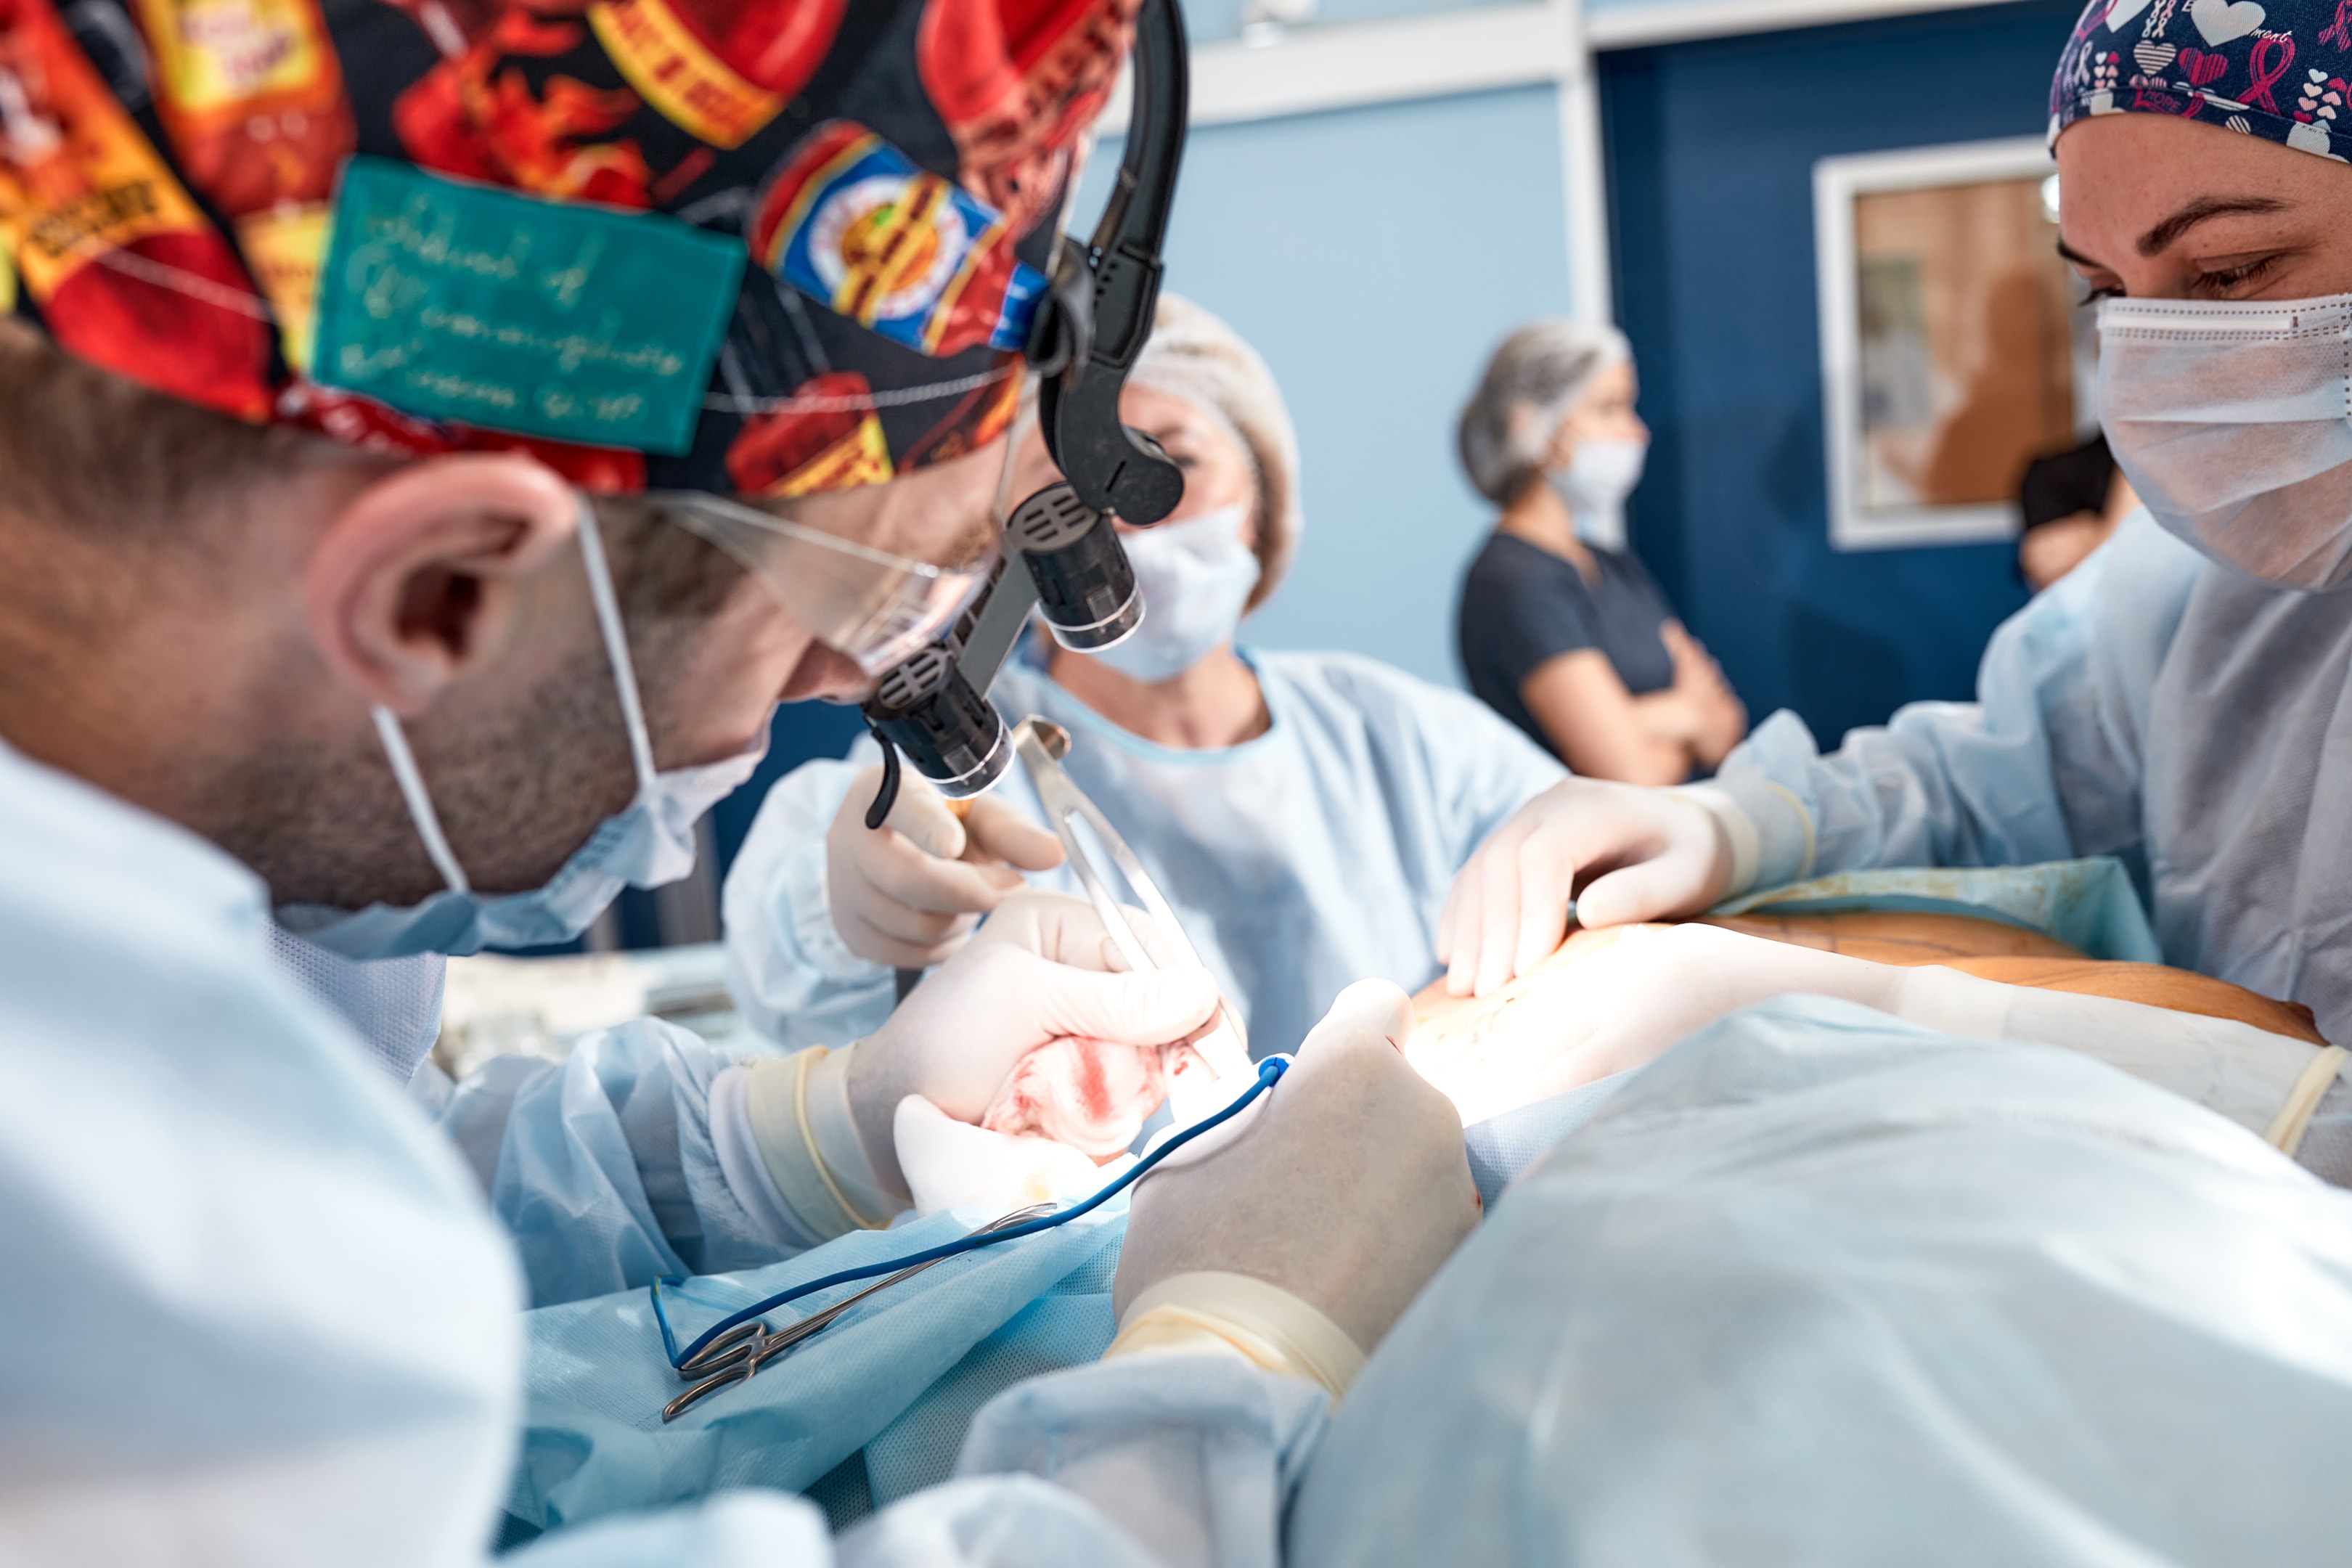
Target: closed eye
<point>2229,280</point>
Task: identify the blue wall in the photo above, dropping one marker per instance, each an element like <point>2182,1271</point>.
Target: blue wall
<point>1374,257</point>
<point>1217,21</point>
<point>1711,148</point>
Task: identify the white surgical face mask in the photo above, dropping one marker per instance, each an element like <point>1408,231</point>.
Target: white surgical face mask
<point>1196,575</point>
<point>1599,476</point>
<point>2233,423</point>
<point>649,843</point>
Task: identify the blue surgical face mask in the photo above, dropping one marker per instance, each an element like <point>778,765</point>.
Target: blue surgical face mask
<point>1196,575</point>
<point>649,843</point>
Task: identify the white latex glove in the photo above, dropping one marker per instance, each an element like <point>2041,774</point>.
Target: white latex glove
<point>1622,1006</point>
<point>953,1164</point>
<point>909,892</point>
<point>1041,969</point>
<point>1347,1185</point>
<point>1648,853</point>
<point>1066,1105</point>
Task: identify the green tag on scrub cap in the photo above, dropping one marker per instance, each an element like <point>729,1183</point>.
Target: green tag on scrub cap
<point>463,302</point>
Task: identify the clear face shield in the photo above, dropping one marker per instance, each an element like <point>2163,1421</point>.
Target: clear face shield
<point>871,607</point>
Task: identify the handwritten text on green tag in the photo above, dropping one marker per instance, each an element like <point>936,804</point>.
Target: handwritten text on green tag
<point>480,306</point>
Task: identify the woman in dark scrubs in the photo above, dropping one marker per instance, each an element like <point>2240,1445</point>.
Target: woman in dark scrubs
<point>1561,633</point>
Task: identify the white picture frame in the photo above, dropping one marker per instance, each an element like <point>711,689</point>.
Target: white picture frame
<point>1865,509</point>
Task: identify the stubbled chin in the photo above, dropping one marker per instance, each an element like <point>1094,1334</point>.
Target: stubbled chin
<point>823,674</point>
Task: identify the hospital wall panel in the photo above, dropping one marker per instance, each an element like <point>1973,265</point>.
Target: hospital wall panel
<point>1374,257</point>
<point>1217,21</point>
<point>1711,148</point>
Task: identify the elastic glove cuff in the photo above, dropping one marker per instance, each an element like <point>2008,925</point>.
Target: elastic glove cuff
<point>806,1137</point>
<point>1211,1312</point>
<point>1769,831</point>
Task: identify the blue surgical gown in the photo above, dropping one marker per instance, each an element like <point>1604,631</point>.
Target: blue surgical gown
<point>1819,1284</point>
<point>259,1314</point>
<point>2154,706</point>
<point>1314,856</point>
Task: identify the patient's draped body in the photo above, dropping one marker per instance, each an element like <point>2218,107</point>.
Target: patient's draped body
<point>1454,1037</point>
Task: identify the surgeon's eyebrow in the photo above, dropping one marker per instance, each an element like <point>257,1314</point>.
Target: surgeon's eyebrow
<point>2068,253</point>
<point>2156,239</point>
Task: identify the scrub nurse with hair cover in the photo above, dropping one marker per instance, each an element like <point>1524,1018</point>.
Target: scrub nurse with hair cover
<point>2182,701</point>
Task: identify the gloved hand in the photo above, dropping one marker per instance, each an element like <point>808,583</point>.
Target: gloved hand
<point>908,892</point>
<point>1624,1004</point>
<point>1650,853</point>
<point>1621,1004</point>
<point>1042,968</point>
<point>1346,1187</point>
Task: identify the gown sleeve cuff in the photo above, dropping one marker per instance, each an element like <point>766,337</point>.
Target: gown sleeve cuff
<point>811,918</point>
<point>802,1125</point>
<point>2269,1084</point>
<point>1211,1312</point>
<point>1769,832</point>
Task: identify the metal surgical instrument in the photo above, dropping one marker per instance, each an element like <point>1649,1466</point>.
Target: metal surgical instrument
<point>1041,745</point>
<point>738,1354</point>
<point>754,1343</point>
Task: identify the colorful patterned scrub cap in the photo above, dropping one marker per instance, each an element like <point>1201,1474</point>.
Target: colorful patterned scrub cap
<point>758,247</point>
<point>2272,69</point>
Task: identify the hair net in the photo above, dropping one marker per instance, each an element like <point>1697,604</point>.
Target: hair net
<point>1530,385</point>
<point>2271,70</point>
<point>1194,355</point>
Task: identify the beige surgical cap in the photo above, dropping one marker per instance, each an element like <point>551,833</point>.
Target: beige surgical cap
<point>1194,355</point>
<point>1536,377</point>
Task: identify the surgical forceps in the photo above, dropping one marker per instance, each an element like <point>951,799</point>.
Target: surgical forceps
<point>737,1355</point>
<point>1041,744</point>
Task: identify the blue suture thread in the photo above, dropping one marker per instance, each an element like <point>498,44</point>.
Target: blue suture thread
<point>1268,1072</point>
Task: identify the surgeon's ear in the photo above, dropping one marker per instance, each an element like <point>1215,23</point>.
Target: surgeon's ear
<point>415,580</point>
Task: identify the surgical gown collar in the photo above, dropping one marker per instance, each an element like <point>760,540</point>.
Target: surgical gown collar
<point>183,871</point>
<point>1072,713</point>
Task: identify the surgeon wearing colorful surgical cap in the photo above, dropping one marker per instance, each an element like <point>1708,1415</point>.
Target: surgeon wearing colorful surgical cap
<point>433,437</point>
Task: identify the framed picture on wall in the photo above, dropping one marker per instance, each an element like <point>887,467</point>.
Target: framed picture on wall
<point>1953,351</point>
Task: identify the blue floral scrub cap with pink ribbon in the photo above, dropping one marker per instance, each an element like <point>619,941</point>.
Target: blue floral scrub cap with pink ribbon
<point>2273,69</point>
